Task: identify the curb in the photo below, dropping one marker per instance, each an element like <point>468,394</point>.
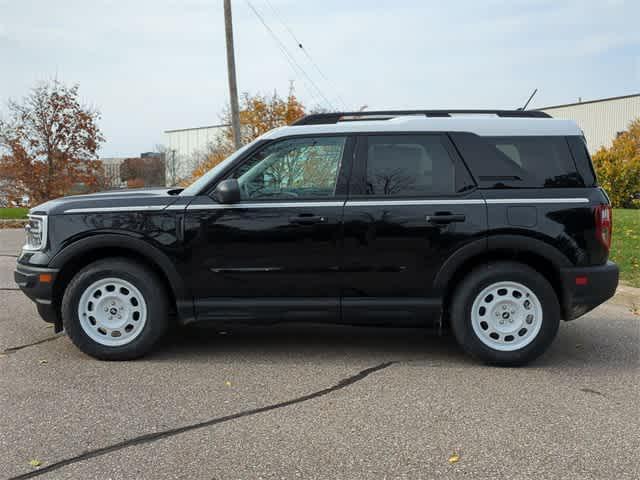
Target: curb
<point>13,222</point>
<point>627,296</point>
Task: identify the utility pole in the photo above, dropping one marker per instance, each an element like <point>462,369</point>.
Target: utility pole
<point>231,70</point>
<point>174,172</point>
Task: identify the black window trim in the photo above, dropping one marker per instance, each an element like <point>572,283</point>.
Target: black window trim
<point>580,168</point>
<point>359,169</point>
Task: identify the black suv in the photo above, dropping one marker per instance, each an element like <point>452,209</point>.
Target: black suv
<point>489,223</point>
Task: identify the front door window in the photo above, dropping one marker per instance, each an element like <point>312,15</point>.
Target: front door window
<point>294,168</point>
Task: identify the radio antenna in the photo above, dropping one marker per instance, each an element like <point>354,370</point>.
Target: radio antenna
<point>526,104</point>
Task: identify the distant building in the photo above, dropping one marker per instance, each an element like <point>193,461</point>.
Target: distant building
<point>186,147</point>
<point>601,120</point>
<point>147,170</point>
<point>111,166</point>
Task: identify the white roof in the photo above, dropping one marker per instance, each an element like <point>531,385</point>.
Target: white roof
<point>480,125</point>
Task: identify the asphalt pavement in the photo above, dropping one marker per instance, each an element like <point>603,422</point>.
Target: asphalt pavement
<point>315,402</point>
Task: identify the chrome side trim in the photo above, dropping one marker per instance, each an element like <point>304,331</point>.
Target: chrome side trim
<point>402,203</point>
<point>218,206</point>
<point>350,203</point>
<point>538,201</point>
<point>137,208</point>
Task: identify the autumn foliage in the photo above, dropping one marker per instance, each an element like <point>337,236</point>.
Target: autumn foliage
<point>258,115</point>
<point>48,145</point>
<point>618,167</point>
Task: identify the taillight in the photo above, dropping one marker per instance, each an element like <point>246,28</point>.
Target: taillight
<point>604,224</point>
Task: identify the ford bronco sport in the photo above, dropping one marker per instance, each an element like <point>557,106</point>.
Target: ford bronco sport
<point>488,223</point>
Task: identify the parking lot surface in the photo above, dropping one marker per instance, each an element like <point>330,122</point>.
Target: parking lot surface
<point>315,402</point>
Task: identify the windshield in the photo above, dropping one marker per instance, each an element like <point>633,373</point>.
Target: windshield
<point>202,182</point>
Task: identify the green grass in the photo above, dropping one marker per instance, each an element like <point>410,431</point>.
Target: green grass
<point>13,213</point>
<point>625,249</point>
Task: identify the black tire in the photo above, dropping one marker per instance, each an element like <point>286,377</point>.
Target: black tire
<point>151,288</point>
<point>484,276</point>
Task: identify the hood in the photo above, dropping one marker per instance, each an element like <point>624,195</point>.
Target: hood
<point>134,198</point>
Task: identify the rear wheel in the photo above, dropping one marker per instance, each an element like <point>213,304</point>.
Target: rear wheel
<point>115,309</point>
<point>505,313</point>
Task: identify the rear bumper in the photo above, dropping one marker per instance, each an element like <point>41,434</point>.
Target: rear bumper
<point>587,287</point>
<point>29,279</point>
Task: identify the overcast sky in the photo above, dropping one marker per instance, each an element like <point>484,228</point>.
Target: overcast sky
<point>153,65</point>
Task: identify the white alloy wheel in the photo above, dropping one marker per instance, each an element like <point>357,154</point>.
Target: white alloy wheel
<point>506,316</point>
<point>112,312</point>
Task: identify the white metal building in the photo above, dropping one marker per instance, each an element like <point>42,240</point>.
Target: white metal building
<point>185,147</point>
<point>600,120</point>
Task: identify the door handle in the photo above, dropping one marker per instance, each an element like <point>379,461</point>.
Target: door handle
<point>304,219</point>
<point>444,219</point>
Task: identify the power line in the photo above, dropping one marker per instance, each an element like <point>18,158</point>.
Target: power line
<point>305,51</point>
<point>290,59</point>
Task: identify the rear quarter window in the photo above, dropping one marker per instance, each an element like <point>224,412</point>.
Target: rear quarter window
<point>519,161</point>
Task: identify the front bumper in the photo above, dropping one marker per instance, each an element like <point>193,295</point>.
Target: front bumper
<point>587,287</point>
<point>37,284</point>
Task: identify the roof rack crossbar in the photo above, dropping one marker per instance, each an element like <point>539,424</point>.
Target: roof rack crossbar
<point>335,117</point>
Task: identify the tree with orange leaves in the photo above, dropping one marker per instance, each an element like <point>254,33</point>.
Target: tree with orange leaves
<point>258,115</point>
<point>48,145</point>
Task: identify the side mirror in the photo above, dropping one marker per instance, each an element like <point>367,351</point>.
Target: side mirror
<point>227,191</point>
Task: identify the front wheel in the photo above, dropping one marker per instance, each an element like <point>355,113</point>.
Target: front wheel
<point>505,313</point>
<point>115,309</point>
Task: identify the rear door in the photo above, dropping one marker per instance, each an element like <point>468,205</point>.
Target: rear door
<point>412,205</point>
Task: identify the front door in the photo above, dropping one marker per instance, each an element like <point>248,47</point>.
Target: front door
<point>275,254</point>
<point>412,204</point>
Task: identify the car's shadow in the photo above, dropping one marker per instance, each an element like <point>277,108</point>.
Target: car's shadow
<point>586,345</point>
<point>329,343</point>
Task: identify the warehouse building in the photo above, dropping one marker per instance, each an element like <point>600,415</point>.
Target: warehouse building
<point>600,120</point>
<point>185,147</point>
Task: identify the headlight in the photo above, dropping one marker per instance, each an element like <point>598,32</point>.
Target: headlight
<point>36,232</point>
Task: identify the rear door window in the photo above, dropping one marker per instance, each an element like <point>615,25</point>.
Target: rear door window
<point>409,166</point>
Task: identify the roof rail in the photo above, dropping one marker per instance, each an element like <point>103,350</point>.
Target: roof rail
<point>335,117</point>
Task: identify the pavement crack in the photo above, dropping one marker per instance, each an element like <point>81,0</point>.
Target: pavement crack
<point>152,437</point>
<point>8,255</point>
<point>20,347</point>
<point>9,289</point>
<point>592,391</point>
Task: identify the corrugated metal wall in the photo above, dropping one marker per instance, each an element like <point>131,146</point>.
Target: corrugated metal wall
<point>190,145</point>
<point>601,120</point>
